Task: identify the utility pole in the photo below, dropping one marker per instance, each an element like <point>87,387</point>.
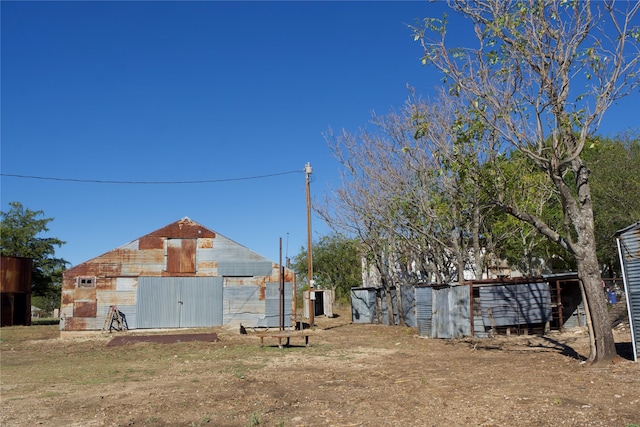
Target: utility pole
<point>308,170</point>
<point>281,290</point>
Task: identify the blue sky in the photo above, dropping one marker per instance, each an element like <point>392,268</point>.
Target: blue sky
<point>190,91</point>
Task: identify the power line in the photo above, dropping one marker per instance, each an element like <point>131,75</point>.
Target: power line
<point>100,181</point>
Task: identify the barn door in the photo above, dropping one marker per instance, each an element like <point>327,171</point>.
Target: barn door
<point>179,302</point>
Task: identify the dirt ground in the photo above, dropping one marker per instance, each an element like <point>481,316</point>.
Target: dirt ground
<point>351,375</point>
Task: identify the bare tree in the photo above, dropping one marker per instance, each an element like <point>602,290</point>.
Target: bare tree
<point>540,80</point>
<point>419,220</point>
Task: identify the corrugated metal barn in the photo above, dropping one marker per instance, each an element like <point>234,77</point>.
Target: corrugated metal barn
<point>182,275</point>
<point>629,250</point>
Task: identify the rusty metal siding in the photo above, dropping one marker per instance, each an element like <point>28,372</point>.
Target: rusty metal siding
<point>85,308</point>
<point>15,274</point>
<point>181,255</point>
<point>175,302</point>
<point>628,240</point>
<point>363,305</point>
<point>15,288</point>
<point>187,250</point>
<point>424,310</point>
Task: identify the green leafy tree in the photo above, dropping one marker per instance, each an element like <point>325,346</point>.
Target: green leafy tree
<point>21,236</point>
<point>615,186</point>
<point>336,265</point>
<point>539,80</point>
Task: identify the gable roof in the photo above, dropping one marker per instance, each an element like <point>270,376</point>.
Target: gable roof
<point>184,228</point>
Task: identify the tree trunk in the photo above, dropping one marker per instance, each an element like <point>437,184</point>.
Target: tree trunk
<point>399,298</point>
<point>390,306</point>
<point>601,332</point>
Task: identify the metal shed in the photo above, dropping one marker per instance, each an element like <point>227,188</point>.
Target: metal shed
<point>628,240</point>
<point>497,306</point>
<point>15,290</point>
<point>181,275</point>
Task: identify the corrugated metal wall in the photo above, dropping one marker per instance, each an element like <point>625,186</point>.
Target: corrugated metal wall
<point>179,302</point>
<point>363,305</point>
<point>409,305</point>
<point>232,259</point>
<point>272,305</point>
<point>521,304</point>
<point>629,251</point>
<point>451,316</point>
<point>424,310</point>
<point>440,315</point>
<point>460,309</point>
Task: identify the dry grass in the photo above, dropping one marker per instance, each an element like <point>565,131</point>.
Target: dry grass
<point>351,375</point>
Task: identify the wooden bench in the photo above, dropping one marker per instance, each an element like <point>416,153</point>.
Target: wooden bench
<point>282,335</point>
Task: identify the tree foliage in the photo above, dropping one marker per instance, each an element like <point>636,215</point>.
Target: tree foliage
<point>21,236</point>
<point>615,184</point>
<point>539,81</point>
<point>336,265</point>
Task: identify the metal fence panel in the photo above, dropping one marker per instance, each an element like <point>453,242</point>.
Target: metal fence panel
<point>424,310</point>
<point>363,305</point>
<point>629,252</point>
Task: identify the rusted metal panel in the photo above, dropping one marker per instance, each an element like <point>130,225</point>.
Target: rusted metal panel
<point>126,283</point>
<point>205,243</point>
<point>184,229</point>
<point>240,281</point>
<point>181,256</point>
<point>15,274</point>
<point>67,297</point>
<point>181,250</point>
<point>113,297</point>
<point>150,242</point>
<point>85,294</point>
<point>85,308</point>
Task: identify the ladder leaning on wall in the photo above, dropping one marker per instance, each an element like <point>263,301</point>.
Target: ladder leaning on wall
<point>115,320</point>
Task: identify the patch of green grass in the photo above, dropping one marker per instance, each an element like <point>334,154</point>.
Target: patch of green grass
<point>254,420</point>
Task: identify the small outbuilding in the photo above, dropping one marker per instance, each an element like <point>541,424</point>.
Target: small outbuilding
<point>179,276</point>
<point>15,290</point>
<point>479,308</point>
<point>628,240</point>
